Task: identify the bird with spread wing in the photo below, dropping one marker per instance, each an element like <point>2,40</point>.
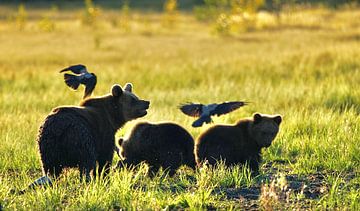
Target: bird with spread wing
<point>80,76</point>
<point>204,112</point>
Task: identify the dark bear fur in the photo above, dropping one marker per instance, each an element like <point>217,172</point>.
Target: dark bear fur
<point>166,145</point>
<point>84,136</point>
<point>239,143</point>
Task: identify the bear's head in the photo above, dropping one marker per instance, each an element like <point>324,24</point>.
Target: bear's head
<point>129,104</point>
<point>265,128</point>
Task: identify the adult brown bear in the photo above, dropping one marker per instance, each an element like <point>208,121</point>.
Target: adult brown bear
<point>239,143</point>
<point>84,136</point>
<point>166,145</point>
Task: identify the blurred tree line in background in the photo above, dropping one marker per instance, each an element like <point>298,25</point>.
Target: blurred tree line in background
<point>183,4</point>
<point>226,17</point>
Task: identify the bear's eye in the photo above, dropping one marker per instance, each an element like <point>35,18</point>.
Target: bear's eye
<point>132,101</point>
<point>266,133</point>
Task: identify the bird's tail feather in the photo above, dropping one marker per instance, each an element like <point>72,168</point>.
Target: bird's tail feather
<point>198,123</point>
<point>203,119</point>
<point>89,87</point>
<point>42,181</point>
<point>71,81</point>
<point>86,94</point>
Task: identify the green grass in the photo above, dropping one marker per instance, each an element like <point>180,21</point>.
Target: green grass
<point>310,75</point>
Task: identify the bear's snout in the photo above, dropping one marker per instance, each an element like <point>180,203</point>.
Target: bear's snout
<point>143,105</point>
<point>146,104</point>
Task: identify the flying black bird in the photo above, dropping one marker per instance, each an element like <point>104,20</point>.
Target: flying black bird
<point>82,77</point>
<point>206,111</point>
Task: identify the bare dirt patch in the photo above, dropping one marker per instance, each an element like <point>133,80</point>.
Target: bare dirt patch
<point>299,191</point>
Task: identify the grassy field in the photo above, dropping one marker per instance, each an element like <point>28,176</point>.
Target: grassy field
<point>307,70</point>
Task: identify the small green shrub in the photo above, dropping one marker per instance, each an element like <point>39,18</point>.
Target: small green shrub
<point>21,17</point>
<point>91,13</point>
<point>47,22</point>
<point>171,13</point>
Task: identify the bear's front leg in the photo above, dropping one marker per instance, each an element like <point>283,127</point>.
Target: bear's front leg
<point>254,165</point>
<point>104,163</point>
<point>86,169</point>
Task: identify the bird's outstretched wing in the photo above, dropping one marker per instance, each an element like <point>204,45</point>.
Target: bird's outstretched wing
<point>71,81</point>
<point>191,109</point>
<point>90,84</point>
<point>227,107</point>
<point>77,69</point>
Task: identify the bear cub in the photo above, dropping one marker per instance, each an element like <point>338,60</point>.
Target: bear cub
<point>239,143</point>
<point>166,145</point>
<point>84,136</point>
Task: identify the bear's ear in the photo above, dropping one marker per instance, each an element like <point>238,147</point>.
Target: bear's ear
<point>116,90</point>
<point>278,119</point>
<point>128,87</point>
<point>257,118</point>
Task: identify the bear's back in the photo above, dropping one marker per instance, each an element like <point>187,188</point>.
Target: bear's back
<point>93,116</point>
<point>226,134</point>
<point>230,142</point>
<point>162,144</point>
<point>160,134</point>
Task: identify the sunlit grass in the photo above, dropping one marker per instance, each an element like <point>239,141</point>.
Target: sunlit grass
<point>308,70</point>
